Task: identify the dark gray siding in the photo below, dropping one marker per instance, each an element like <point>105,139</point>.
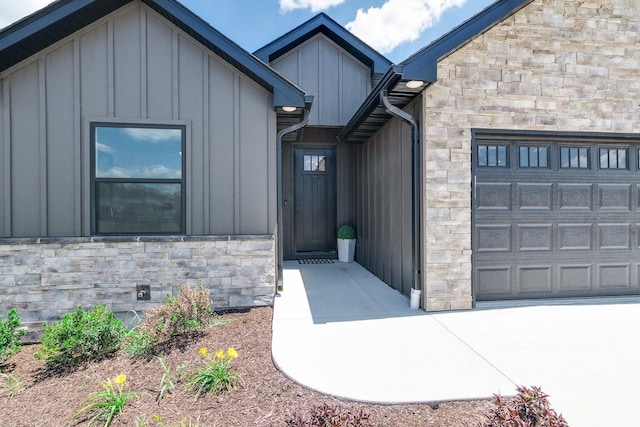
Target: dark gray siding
<point>133,67</point>
<point>383,188</point>
<point>338,81</point>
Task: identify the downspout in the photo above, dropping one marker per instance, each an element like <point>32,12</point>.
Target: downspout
<point>415,199</point>
<point>281,134</point>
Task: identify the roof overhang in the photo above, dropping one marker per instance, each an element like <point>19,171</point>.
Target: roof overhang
<point>62,18</point>
<point>371,115</point>
<point>421,66</point>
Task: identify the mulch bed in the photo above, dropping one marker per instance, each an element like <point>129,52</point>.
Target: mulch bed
<point>266,398</point>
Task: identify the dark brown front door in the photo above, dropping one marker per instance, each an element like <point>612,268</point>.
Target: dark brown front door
<point>315,200</point>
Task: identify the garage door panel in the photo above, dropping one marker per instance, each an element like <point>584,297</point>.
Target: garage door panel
<point>575,278</point>
<point>535,278</point>
<point>493,196</point>
<point>494,280</point>
<point>614,236</point>
<point>574,196</point>
<point>535,237</point>
<point>557,228</point>
<point>614,197</point>
<point>575,237</point>
<point>493,238</point>
<point>614,276</point>
<point>535,196</point>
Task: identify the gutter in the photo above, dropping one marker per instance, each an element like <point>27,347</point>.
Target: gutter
<point>415,197</point>
<point>293,128</point>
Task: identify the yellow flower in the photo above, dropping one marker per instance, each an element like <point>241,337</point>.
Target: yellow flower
<point>120,379</point>
<point>232,353</point>
<point>203,351</point>
<point>220,354</point>
<point>156,418</point>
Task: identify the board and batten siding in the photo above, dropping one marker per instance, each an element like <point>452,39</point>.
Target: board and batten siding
<point>338,81</point>
<point>133,66</point>
<point>383,203</point>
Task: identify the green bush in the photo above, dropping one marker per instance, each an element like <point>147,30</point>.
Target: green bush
<point>190,311</point>
<point>80,337</point>
<point>10,335</point>
<point>346,232</point>
<point>528,409</point>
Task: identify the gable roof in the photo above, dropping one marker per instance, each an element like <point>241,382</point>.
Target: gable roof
<point>61,18</point>
<point>422,66</point>
<point>322,23</point>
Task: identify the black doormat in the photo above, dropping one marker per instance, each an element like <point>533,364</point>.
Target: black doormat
<point>315,261</point>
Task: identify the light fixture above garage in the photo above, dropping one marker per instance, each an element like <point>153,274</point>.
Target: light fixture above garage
<point>414,84</point>
<point>289,109</point>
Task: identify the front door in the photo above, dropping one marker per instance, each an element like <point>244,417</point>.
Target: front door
<point>315,200</point>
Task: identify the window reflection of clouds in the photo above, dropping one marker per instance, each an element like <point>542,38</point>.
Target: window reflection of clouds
<point>138,152</point>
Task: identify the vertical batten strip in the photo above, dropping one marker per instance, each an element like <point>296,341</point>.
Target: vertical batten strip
<point>110,69</point>
<point>6,203</point>
<point>176,92</point>
<point>236,154</point>
<point>206,144</point>
<point>341,95</point>
<point>42,135</point>
<point>144,111</point>
<point>77,142</point>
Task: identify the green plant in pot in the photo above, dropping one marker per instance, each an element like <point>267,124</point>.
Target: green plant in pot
<point>346,243</point>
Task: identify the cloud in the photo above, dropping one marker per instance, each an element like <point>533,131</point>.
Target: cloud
<point>14,10</point>
<point>398,21</point>
<point>154,135</point>
<point>152,171</point>
<point>104,148</point>
<point>314,5</point>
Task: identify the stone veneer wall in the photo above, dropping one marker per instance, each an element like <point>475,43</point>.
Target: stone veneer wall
<point>555,65</point>
<point>45,278</point>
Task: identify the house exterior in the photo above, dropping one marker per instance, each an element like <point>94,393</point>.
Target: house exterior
<point>138,153</point>
<point>499,162</point>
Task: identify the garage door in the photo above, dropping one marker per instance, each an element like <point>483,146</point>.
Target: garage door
<point>555,216</point>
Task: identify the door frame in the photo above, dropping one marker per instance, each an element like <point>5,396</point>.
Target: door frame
<point>288,198</point>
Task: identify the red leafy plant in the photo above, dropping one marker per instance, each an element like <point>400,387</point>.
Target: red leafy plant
<point>326,415</point>
<point>530,408</point>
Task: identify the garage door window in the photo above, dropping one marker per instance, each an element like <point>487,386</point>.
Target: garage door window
<point>613,158</point>
<point>492,155</point>
<point>534,157</point>
<point>574,157</point>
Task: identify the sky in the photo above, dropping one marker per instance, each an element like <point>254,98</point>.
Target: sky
<point>395,28</point>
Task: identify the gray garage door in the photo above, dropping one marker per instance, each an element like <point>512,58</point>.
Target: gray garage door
<point>555,216</point>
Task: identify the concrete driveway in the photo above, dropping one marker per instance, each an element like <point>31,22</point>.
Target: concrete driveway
<point>339,330</point>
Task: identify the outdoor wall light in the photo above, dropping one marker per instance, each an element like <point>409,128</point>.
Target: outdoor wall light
<point>289,109</point>
<point>414,84</point>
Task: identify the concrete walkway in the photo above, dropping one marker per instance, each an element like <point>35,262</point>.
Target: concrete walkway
<point>339,330</point>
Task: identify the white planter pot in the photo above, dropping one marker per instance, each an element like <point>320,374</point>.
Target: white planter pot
<point>346,250</point>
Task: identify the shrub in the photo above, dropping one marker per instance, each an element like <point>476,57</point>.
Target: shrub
<point>346,232</point>
<point>80,337</point>
<point>189,311</point>
<point>10,335</point>
<point>529,408</point>
<point>326,415</point>
<point>214,376</point>
<point>108,402</point>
